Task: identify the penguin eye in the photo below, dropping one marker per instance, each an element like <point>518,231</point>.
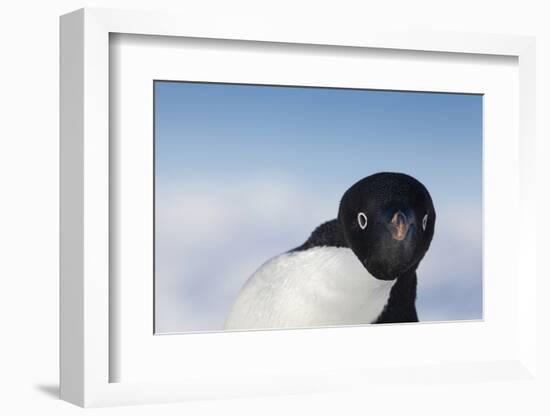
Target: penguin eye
<point>362,220</point>
<point>424,222</point>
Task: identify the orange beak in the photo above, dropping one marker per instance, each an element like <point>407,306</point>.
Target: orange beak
<point>399,226</point>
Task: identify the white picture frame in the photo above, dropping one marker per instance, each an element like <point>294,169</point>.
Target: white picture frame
<point>87,302</point>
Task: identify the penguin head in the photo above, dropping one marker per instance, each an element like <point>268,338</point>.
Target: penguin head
<point>388,221</point>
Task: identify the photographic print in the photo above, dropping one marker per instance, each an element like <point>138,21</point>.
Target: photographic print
<point>283,207</point>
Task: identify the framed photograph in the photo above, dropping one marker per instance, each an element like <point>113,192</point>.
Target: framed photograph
<point>264,210</point>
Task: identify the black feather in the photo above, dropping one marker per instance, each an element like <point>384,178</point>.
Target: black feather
<point>328,234</point>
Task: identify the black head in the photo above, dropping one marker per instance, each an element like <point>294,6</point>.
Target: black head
<point>388,221</point>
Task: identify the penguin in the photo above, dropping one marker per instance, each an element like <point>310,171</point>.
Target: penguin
<point>359,268</point>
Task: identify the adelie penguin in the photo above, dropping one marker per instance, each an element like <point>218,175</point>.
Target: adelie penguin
<point>359,268</point>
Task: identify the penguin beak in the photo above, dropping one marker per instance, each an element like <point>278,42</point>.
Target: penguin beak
<point>398,226</point>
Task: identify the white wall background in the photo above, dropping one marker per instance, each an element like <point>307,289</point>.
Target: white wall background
<point>29,206</point>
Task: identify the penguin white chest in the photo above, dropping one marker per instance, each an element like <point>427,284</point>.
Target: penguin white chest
<point>315,287</point>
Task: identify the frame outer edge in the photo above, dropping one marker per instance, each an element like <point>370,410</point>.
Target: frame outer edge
<point>527,295</point>
<point>71,155</point>
<point>96,207</point>
<point>378,36</point>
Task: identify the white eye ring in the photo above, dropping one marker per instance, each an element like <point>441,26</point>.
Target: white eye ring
<point>362,220</point>
<point>424,222</point>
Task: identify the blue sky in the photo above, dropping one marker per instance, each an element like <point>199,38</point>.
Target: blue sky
<point>244,173</point>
